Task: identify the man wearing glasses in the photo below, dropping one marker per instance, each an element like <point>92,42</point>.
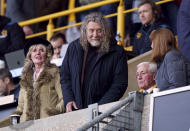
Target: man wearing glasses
<point>145,75</point>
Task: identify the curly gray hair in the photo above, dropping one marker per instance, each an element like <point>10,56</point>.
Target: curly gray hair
<point>98,18</point>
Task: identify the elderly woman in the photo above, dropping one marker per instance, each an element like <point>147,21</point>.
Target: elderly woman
<point>40,94</point>
<point>173,69</point>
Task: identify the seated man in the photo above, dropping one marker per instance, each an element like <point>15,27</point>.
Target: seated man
<point>150,19</point>
<point>7,87</point>
<point>60,45</point>
<point>145,75</point>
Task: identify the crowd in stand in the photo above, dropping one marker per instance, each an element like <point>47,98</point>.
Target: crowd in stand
<point>60,77</point>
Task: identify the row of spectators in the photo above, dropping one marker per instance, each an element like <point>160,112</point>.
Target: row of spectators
<point>94,69</point>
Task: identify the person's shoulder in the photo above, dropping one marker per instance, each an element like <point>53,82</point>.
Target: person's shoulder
<point>173,55</point>
<point>118,47</point>
<point>159,24</point>
<point>13,26</point>
<point>173,52</point>
<point>74,44</point>
<point>117,50</point>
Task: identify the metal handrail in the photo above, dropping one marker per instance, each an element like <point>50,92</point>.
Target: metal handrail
<point>51,30</point>
<point>67,12</point>
<point>107,113</point>
<point>3,7</point>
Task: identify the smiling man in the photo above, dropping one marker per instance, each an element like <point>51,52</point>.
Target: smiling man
<point>145,75</point>
<point>149,15</point>
<point>95,68</point>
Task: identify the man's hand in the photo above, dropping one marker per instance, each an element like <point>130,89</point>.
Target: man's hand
<point>27,30</point>
<point>70,105</point>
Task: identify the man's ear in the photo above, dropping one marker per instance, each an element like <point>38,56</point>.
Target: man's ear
<point>7,80</point>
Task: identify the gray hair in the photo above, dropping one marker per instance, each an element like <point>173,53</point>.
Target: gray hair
<point>152,66</point>
<point>98,18</point>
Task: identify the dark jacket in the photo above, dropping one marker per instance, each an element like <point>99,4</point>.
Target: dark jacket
<point>173,72</point>
<point>20,10</point>
<point>183,28</point>
<point>108,79</point>
<point>15,92</point>
<point>142,42</point>
<point>12,37</point>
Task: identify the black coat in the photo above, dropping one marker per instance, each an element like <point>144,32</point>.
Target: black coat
<point>12,37</point>
<point>142,41</point>
<point>183,28</point>
<point>108,80</point>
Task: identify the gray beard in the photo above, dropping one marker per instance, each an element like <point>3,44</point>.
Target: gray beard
<point>95,44</point>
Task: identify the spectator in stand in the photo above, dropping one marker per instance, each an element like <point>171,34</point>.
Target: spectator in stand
<point>132,22</point>
<point>40,89</point>
<point>47,7</point>
<point>20,10</point>
<point>183,28</point>
<point>149,15</point>
<point>169,11</point>
<point>12,37</point>
<point>7,86</point>
<point>173,69</point>
<point>105,10</point>
<point>60,46</point>
<point>145,75</point>
<point>95,67</point>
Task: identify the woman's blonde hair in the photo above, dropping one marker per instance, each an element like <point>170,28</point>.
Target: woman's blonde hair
<point>163,40</point>
<point>28,63</point>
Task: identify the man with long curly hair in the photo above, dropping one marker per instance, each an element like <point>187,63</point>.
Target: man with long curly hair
<point>95,68</point>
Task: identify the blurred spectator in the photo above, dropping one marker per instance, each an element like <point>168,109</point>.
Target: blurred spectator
<point>149,15</point>
<point>169,11</point>
<point>12,37</point>
<point>60,46</point>
<point>63,21</point>
<point>168,14</point>
<point>105,10</point>
<point>40,93</point>
<point>132,21</point>
<point>183,28</point>
<point>173,69</point>
<point>7,86</point>
<point>95,67</point>
<point>145,75</point>
<point>20,10</point>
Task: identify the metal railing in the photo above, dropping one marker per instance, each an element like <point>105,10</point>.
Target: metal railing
<point>3,7</point>
<point>50,27</point>
<point>127,116</point>
<point>60,14</point>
